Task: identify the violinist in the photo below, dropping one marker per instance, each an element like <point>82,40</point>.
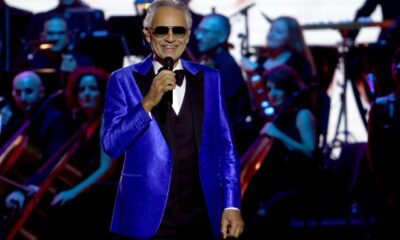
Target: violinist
<point>285,45</point>
<point>289,166</point>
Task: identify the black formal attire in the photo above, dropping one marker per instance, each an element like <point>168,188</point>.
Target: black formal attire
<point>186,214</point>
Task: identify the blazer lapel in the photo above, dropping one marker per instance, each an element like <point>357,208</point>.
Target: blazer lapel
<point>195,89</point>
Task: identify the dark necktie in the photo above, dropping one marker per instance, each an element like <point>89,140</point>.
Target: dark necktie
<point>179,75</point>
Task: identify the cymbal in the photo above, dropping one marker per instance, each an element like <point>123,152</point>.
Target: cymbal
<point>348,25</point>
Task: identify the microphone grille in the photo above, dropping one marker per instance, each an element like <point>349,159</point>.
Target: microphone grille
<point>168,63</point>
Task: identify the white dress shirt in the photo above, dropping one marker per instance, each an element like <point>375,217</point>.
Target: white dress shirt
<point>178,93</point>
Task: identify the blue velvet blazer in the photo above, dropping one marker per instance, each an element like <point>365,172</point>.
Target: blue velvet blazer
<point>145,179</point>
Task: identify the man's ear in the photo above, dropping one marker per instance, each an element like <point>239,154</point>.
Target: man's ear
<point>188,36</point>
<point>223,38</point>
<point>146,33</point>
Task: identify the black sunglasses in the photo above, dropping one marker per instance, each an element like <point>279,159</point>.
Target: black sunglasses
<point>162,31</point>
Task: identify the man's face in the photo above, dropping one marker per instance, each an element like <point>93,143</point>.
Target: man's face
<point>209,34</point>
<point>55,31</point>
<point>27,91</point>
<point>169,44</point>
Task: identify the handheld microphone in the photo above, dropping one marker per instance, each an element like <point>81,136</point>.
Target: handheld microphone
<point>168,64</point>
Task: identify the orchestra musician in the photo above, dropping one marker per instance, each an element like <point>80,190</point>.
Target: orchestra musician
<point>85,95</point>
<point>289,166</point>
<point>50,128</point>
<point>212,35</point>
<point>61,56</point>
<point>285,45</point>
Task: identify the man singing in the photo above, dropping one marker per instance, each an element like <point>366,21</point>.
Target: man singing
<point>180,178</point>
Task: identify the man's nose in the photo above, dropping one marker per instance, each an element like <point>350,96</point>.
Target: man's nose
<point>170,36</point>
<point>23,96</point>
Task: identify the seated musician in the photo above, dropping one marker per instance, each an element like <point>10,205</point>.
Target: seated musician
<point>286,45</point>
<point>85,95</point>
<point>288,168</point>
<point>61,55</point>
<point>47,132</point>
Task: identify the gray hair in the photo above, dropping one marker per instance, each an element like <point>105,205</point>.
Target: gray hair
<point>176,4</point>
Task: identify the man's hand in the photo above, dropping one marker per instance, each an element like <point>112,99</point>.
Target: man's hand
<point>163,82</point>
<point>15,200</point>
<point>63,197</point>
<point>68,63</point>
<point>232,223</point>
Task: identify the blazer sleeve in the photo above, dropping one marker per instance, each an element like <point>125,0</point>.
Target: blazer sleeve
<point>124,117</point>
<point>229,167</point>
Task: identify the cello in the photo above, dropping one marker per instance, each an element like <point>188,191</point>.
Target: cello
<point>62,176</point>
<point>255,156</point>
